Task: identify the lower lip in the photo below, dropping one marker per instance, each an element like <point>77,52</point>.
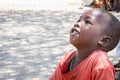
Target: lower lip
<point>74,36</point>
<point>74,33</point>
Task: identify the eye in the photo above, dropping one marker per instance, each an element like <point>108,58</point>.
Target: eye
<point>88,22</point>
<point>79,20</point>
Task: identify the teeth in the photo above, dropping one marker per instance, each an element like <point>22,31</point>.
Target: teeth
<point>75,32</point>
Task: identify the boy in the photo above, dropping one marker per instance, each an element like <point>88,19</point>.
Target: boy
<point>94,34</point>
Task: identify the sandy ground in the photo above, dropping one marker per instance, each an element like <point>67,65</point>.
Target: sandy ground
<point>32,43</point>
<point>36,5</point>
<point>33,39</point>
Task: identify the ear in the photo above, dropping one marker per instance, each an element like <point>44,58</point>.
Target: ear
<point>105,41</point>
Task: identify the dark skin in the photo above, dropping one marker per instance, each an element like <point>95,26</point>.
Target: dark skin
<point>87,35</point>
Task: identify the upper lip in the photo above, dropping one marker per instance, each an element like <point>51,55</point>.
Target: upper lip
<point>75,29</point>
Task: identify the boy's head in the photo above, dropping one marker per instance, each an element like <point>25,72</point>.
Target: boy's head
<point>96,29</point>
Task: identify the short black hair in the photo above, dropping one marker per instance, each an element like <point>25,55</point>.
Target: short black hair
<point>112,28</point>
<point>114,25</point>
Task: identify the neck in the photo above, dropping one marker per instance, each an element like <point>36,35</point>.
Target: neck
<point>82,54</point>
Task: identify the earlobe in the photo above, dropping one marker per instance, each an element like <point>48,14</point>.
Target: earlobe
<point>105,41</point>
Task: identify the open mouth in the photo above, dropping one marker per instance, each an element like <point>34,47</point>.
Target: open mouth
<point>75,31</point>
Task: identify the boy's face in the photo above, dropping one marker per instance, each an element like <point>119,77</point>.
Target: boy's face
<point>87,30</point>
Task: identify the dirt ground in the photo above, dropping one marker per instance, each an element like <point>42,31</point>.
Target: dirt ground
<point>33,42</point>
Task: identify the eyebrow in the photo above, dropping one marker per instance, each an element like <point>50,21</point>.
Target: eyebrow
<point>87,17</point>
<point>80,17</point>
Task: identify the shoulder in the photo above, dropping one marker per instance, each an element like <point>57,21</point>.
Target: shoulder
<point>64,62</point>
<point>101,60</point>
<point>66,59</point>
<point>102,67</point>
<point>68,56</point>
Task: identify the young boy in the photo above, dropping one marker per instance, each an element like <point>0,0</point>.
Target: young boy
<point>94,34</point>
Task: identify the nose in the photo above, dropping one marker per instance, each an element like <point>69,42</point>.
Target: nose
<point>77,24</point>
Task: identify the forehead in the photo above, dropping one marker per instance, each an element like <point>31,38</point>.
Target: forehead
<point>93,14</point>
<point>97,17</point>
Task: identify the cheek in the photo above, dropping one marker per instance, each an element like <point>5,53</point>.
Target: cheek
<point>85,39</point>
<point>86,36</point>
<point>86,32</point>
<point>82,39</point>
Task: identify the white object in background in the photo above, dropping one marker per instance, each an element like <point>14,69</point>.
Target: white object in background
<point>87,2</point>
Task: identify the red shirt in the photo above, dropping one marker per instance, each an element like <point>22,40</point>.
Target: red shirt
<point>95,67</point>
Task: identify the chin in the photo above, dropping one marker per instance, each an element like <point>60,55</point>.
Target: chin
<point>73,43</point>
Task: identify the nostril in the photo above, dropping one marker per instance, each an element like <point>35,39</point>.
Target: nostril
<point>76,25</point>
